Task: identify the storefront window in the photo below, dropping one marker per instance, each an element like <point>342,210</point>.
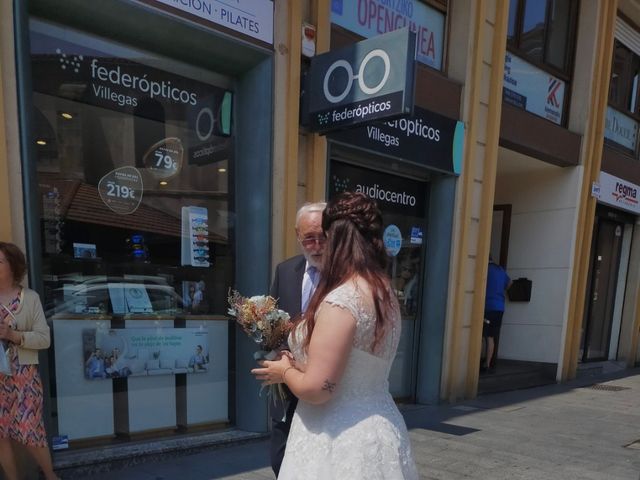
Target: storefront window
<point>134,165</point>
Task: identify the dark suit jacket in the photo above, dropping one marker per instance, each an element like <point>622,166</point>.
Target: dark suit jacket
<point>287,289</point>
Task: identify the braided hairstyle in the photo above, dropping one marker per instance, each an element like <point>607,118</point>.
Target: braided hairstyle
<point>352,223</point>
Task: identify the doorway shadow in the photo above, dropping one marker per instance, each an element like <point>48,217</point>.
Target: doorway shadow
<point>515,375</point>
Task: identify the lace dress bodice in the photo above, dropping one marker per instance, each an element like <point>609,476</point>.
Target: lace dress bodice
<point>359,433</point>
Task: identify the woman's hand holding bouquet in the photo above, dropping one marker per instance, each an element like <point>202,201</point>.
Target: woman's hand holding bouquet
<point>265,324</point>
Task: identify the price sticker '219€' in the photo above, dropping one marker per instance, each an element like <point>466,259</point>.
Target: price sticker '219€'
<point>121,190</point>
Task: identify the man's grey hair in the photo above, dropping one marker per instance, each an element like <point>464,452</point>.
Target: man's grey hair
<point>310,208</point>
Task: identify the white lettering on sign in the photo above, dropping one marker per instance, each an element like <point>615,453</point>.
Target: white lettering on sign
<point>153,88</point>
<point>250,17</point>
<point>414,126</point>
<point>374,133</point>
<point>361,111</point>
<point>378,193</point>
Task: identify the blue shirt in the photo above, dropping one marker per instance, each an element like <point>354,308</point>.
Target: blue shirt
<point>497,283</point>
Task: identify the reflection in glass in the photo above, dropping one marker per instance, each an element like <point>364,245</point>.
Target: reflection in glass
<point>532,38</point>
<point>557,35</point>
<point>511,27</point>
<point>106,111</point>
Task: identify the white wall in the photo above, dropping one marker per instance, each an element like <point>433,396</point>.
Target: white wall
<point>543,199</point>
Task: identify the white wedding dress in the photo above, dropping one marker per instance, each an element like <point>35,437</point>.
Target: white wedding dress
<point>359,433</point>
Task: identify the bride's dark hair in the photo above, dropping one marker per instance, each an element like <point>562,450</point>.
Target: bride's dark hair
<point>352,223</point>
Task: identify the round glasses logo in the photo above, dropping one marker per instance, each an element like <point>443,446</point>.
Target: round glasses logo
<point>360,77</point>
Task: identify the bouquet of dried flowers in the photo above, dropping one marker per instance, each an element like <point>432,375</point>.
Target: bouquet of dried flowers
<point>264,323</point>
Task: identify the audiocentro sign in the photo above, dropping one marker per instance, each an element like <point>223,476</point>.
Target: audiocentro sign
<point>368,80</point>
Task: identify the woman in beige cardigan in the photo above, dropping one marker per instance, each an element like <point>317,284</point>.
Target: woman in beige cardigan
<point>24,331</point>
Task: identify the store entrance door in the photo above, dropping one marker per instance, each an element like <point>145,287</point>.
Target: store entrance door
<point>403,202</point>
<point>605,262</point>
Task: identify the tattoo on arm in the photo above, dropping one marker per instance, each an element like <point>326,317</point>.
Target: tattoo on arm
<point>329,386</point>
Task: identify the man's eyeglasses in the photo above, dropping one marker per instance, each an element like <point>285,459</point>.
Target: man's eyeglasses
<point>311,241</point>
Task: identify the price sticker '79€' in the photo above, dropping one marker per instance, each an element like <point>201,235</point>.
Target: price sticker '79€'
<point>121,190</point>
<point>164,158</point>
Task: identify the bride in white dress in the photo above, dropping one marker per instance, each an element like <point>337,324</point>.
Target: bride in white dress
<point>346,425</point>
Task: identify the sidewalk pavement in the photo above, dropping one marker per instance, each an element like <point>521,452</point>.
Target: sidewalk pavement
<point>586,429</point>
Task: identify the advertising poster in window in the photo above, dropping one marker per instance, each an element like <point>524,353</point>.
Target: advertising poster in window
<point>113,353</point>
<point>621,129</point>
<point>532,89</point>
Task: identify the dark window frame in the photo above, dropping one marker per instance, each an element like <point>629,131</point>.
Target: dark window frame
<point>627,85</point>
<point>513,46</point>
<point>622,107</point>
<point>565,75</point>
<point>440,5</point>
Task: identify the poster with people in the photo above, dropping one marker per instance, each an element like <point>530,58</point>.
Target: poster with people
<point>113,353</point>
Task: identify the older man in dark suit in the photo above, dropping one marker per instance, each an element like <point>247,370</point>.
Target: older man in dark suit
<point>293,285</point>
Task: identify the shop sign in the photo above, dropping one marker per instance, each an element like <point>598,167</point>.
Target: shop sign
<point>532,89</point>
<point>374,17</point>
<point>394,194</point>
<point>254,18</point>
<point>80,73</point>
<point>621,129</point>
<point>368,80</point>
<point>619,193</point>
<point>425,138</point>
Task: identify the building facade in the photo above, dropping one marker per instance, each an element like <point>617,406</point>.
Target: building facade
<point>148,170</point>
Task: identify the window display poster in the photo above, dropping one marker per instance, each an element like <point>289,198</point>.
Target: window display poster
<point>84,250</point>
<point>194,298</point>
<point>532,89</point>
<point>112,353</point>
<point>195,237</point>
<point>129,298</point>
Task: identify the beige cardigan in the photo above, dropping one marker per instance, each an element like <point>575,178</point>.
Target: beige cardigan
<point>30,321</point>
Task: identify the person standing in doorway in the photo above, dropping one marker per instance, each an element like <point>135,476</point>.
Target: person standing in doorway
<point>293,285</point>
<point>497,283</point>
